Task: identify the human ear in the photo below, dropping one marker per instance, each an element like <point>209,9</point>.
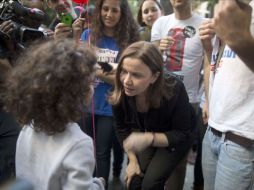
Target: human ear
<point>155,76</point>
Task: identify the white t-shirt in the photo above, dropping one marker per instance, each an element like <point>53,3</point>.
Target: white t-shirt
<point>184,58</point>
<point>57,162</point>
<point>231,106</point>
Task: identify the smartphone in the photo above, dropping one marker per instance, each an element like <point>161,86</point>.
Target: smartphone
<point>66,18</point>
<point>105,66</point>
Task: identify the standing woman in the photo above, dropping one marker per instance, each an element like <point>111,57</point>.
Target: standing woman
<point>149,11</point>
<point>153,117</point>
<point>112,31</point>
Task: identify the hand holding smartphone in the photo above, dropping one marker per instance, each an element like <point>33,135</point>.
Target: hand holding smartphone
<point>105,66</point>
<point>66,18</point>
<point>66,12</point>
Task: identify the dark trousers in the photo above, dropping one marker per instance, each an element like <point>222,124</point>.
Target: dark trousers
<point>118,156</point>
<point>198,174</point>
<point>105,136</point>
<point>157,164</point>
<point>9,131</point>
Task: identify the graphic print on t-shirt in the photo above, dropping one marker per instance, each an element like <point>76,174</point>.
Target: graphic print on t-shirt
<point>175,53</point>
<point>105,55</point>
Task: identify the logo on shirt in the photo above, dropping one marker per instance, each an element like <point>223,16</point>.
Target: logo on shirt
<point>189,31</point>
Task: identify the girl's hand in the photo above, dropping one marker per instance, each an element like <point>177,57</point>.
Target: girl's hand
<point>131,170</point>
<point>138,141</point>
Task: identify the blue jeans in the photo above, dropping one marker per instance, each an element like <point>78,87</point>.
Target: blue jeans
<point>226,165</point>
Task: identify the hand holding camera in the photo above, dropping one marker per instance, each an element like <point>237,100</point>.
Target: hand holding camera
<point>6,28</point>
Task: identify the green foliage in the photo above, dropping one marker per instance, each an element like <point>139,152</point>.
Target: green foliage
<point>134,5</point>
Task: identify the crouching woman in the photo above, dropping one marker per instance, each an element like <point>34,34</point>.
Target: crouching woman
<point>153,117</point>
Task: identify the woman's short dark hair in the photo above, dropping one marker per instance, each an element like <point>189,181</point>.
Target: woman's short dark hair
<point>50,84</point>
<point>150,55</point>
<point>126,30</point>
<point>139,17</point>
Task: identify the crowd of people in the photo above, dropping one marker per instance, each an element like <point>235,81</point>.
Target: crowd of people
<point>153,88</point>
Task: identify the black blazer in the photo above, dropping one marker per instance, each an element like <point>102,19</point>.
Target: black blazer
<point>173,117</point>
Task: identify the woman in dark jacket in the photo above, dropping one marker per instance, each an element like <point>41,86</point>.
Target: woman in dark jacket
<point>153,117</point>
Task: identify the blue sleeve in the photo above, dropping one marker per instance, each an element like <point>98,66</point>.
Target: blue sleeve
<point>85,35</point>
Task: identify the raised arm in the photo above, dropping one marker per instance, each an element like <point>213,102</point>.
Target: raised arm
<point>206,34</point>
<point>232,20</point>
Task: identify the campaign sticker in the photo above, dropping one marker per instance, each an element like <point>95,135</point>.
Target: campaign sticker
<point>189,31</point>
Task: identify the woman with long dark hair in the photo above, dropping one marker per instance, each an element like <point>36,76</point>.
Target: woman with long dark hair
<point>112,30</point>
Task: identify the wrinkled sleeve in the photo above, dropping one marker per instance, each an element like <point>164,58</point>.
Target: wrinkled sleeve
<point>123,130</point>
<point>79,164</point>
<point>85,35</point>
<point>181,119</point>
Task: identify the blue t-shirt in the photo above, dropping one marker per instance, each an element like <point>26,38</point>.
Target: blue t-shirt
<point>107,52</point>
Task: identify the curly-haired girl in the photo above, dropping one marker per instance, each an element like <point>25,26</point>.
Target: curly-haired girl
<point>47,90</point>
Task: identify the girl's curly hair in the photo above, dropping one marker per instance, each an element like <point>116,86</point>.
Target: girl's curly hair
<point>50,85</point>
<point>126,30</point>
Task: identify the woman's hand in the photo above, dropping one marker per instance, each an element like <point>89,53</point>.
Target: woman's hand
<point>138,141</point>
<point>131,170</point>
<point>77,27</point>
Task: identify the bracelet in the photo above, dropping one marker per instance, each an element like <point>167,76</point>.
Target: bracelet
<point>153,138</point>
